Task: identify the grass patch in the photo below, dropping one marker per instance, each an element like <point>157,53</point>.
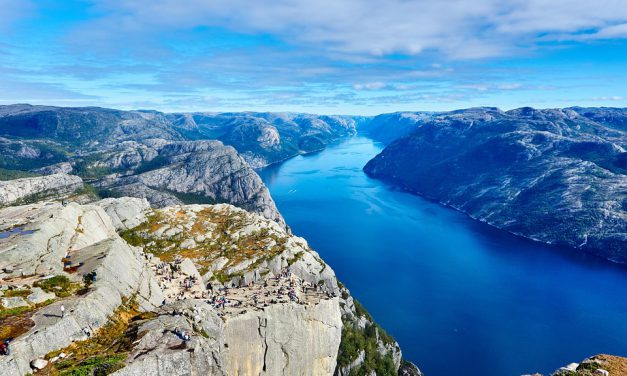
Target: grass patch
<point>17,292</point>
<point>7,312</point>
<point>60,285</point>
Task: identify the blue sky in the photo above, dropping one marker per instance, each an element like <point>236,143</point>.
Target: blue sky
<point>325,56</point>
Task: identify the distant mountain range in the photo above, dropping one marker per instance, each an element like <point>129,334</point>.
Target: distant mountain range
<point>166,158</point>
<point>558,176</point>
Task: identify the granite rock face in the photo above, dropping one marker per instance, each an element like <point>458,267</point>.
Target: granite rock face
<point>601,365</point>
<point>125,212</point>
<point>284,340</point>
<point>195,171</point>
<point>285,314</point>
<point>556,176</point>
<point>85,235</point>
<point>386,128</point>
<point>15,191</point>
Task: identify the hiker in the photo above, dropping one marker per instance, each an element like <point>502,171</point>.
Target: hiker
<point>4,347</point>
<point>62,311</point>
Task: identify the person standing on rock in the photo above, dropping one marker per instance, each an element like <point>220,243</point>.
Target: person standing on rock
<point>62,311</point>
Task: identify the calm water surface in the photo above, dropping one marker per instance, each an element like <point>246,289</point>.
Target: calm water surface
<point>460,297</point>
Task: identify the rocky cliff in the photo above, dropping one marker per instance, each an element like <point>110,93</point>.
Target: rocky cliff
<point>195,289</point>
<point>171,173</point>
<point>556,176</point>
<point>32,189</point>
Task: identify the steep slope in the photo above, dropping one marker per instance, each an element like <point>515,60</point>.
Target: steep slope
<point>556,176</point>
<point>233,248</point>
<point>163,157</point>
<point>386,128</point>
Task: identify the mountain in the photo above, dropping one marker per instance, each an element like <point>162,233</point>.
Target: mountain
<point>36,136</point>
<point>386,128</point>
<point>266,138</point>
<point>558,176</point>
<point>166,158</point>
<point>202,289</point>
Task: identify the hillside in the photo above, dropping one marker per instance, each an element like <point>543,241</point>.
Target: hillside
<point>556,176</point>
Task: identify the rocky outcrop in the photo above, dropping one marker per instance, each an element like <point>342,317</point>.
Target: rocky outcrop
<point>162,352</point>
<point>601,365</point>
<point>556,176</point>
<point>196,171</point>
<point>86,236</point>
<point>125,212</point>
<point>265,302</point>
<point>235,249</point>
<point>33,189</point>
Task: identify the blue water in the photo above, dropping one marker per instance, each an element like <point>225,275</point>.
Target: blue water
<point>15,231</point>
<point>460,297</point>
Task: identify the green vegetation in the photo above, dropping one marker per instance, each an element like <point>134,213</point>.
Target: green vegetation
<point>192,198</point>
<point>296,257</point>
<point>48,154</point>
<point>17,292</point>
<point>106,351</point>
<point>87,190</point>
<point>12,312</point>
<point>7,312</point>
<point>60,285</point>
<point>356,340</point>
<point>155,163</point>
<point>260,245</point>
<point>98,365</point>
<point>6,174</point>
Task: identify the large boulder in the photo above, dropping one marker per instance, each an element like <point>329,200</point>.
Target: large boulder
<point>125,212</point>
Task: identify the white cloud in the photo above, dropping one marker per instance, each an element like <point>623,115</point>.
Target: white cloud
<point>370,86</point>
<point>457,28</point>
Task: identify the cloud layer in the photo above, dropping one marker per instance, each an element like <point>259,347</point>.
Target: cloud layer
<point>331,56</point>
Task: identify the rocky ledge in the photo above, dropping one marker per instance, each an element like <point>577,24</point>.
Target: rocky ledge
<point>202,289</point>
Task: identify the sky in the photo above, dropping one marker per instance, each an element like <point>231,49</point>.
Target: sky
<point>359,57</point>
